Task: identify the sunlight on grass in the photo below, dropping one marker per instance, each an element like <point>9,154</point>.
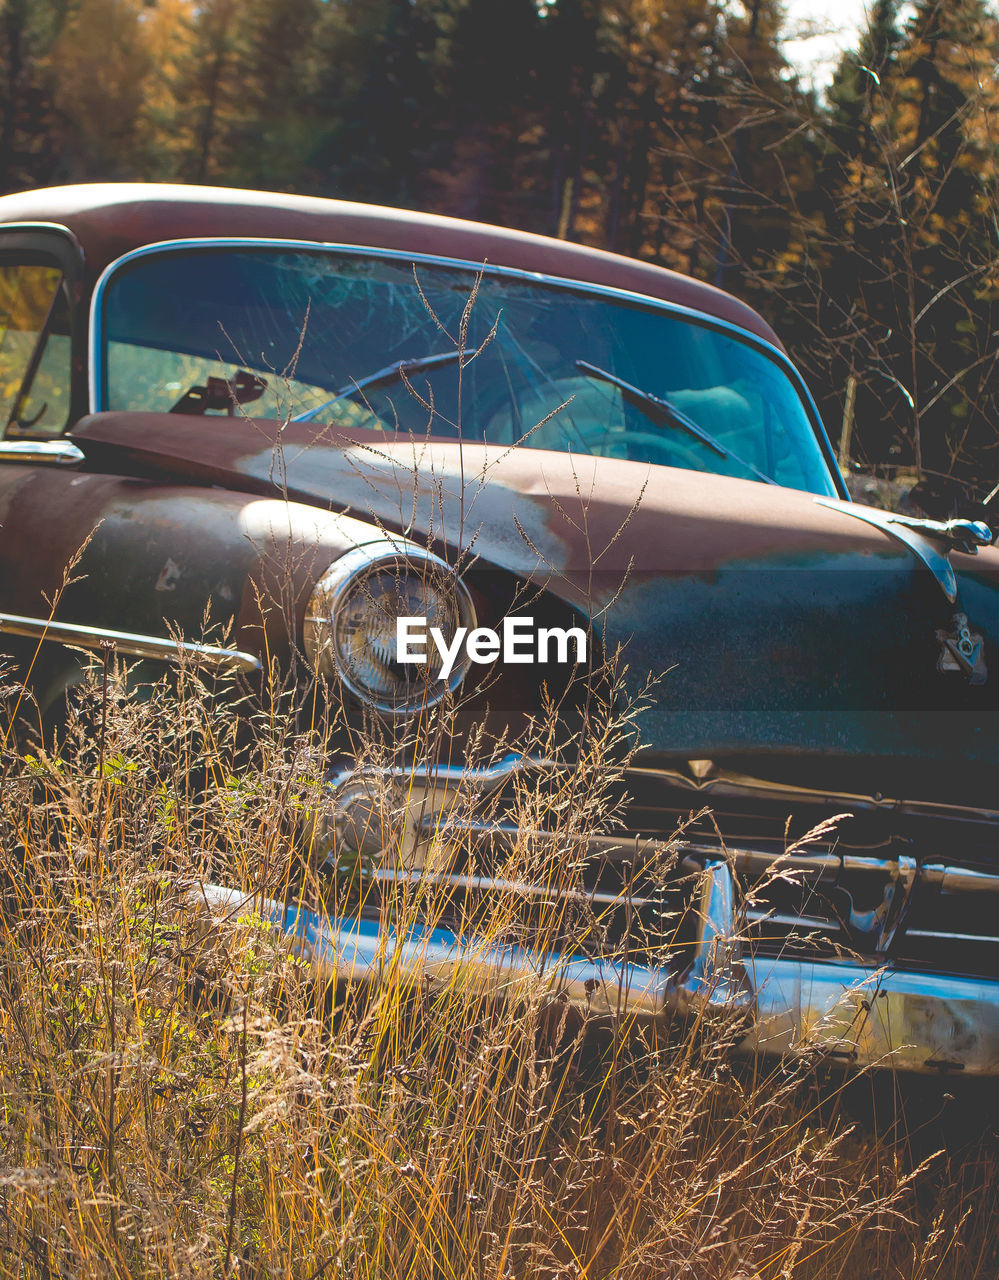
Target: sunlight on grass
<point>183,1095</point>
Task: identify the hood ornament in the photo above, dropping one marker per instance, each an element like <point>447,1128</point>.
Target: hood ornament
<point>962,535</point>
<point>931,540</point>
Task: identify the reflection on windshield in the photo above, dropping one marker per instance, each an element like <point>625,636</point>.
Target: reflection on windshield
<point>355,340</point>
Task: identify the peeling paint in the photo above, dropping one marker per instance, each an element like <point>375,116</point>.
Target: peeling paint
<point>169,576</point>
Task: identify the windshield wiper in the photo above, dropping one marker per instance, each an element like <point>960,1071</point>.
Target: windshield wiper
<point>661,412</point>
<point>380,378</point>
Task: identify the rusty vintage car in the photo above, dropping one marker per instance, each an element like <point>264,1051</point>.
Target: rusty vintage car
<point>241,398</point>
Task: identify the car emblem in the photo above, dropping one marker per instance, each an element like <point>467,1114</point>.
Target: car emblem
<point>962,650</point>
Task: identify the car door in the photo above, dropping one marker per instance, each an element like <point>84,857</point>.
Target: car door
<point>42,392</point>
<point>86,551</point>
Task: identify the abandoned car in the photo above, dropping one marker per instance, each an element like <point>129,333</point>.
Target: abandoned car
<point>408,431</point>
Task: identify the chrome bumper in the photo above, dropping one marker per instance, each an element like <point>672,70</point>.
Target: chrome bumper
<point>886,1017</point>
<point>851,1014</point>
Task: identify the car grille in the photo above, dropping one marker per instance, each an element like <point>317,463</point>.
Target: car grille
<point>821,876</point>
<point>836,876</point>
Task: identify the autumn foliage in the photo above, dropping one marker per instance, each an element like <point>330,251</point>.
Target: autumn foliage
<point>860,219</point>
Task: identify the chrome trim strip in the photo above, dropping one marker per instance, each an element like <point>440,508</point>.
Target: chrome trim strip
<point>950,936</point>
<point>438,823</point>
<point>813,924</point>
<point>721,783</point>
<point>484,778</point>
<point>824,866</point>
<point>60,452</point>
<point>136,646</point>
<point>958,879</point>
<point>949,879</point>
<point>448,776</point>
<point>517,888</point>
<point>96,354</point>
<point>736,785</point>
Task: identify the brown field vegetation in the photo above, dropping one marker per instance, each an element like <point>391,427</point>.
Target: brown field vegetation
<point>183,1096</point>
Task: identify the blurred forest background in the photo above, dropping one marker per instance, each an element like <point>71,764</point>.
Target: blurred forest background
<point>863,221</point>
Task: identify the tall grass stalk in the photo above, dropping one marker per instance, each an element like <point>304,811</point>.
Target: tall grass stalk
<point>184,1096</point>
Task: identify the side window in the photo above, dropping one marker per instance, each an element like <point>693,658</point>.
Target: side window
<point>35,359</point>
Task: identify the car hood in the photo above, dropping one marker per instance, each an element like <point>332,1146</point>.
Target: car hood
<point>777,622</point>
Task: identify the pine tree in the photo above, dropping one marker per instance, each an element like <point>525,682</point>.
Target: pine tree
<point>572,62</point>
<point>915,168</point>
<point>272,135</point>
<point>631,117</point>
<point>859,76</point>
<point>99,67</point>
<point>491,134</point>
<point>378,98</point>
<point>208,91</point>
<point>164,136</point>
<point>29,148</point>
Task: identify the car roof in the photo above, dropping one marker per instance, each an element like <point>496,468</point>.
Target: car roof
<point>109,219</point>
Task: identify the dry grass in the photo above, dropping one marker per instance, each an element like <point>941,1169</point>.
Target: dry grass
<point>179,1099</point>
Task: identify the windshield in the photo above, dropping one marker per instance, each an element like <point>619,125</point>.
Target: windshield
<point>360,340</point>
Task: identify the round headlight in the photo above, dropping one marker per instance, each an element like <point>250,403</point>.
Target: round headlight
<point>351,624</point>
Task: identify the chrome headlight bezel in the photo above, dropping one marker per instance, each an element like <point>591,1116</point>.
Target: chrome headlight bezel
<point>341,582</point>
